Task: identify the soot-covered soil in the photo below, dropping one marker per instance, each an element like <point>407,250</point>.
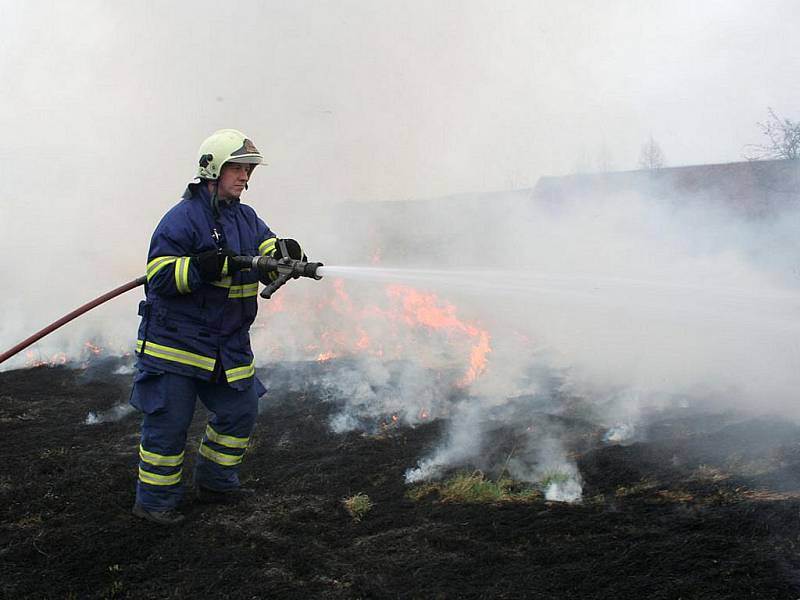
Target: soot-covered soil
<point>706,508</point>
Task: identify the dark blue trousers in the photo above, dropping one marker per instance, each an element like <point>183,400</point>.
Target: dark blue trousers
<point>168,401</point>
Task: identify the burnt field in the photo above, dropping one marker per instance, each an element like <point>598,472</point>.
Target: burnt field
<point>705,505</point>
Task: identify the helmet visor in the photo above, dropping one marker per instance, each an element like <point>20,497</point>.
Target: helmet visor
<point>252,159</point>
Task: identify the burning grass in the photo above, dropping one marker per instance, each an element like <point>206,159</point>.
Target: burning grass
<point>474,488</point>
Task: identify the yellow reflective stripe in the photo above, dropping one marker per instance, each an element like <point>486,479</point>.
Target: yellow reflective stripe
<point>182,275</point>
<point>155,479</point>
<point>158,263</point>
<point>228,441</point>
<point>238,373</point>
<point>226,460</point>
<point>160,460</point>
<point>225,282</point>
<point>247,290</point>
<point>267,246</point>
<point>175,355</point>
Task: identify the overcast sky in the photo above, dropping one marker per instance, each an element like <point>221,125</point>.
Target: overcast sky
<point>105,103</point>
<point>366,100</point>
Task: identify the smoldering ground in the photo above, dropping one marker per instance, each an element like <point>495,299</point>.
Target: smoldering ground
<point>659,517</point>
<point>106,104</point>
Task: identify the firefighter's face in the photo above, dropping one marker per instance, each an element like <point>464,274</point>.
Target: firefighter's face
<point>232,180</point>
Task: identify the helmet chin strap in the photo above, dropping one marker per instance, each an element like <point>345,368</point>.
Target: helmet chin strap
<point>215,198</point>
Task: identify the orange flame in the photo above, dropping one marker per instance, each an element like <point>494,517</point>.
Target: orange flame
<point>92,348</point>
<point>405,310</point>
<point>425,309</point>
<point>36,360</point>
<point>477,359</point>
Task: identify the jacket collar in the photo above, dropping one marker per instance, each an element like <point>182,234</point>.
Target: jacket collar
<point>200,191</point>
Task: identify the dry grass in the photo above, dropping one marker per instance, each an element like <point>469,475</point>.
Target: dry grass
<point>475,488</point>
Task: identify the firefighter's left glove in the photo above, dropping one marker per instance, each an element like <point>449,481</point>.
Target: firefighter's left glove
<point>213,265</point>
<point>208,265</point>
<point>293,251</point>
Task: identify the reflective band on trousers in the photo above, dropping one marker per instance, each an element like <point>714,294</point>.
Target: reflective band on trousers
<point>174,354</point>
<point>267,246</point>
<point>155,479</point>
<point>238,373</point>
<point>158,263</point>
<point>228,441</point>
<point>225,282</point>
<point>226,460</point>
<point>160,460</point>
<point>246,290</point>
<point>182,275</point>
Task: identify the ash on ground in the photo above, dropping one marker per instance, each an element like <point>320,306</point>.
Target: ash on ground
<point>696,505</point>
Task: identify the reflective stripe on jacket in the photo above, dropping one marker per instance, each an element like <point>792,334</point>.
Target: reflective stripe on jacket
<point>187,325</point>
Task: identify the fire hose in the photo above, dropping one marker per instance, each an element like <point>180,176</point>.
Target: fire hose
<point>285,268</point>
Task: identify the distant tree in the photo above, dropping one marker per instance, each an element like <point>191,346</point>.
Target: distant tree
<point>783,139</point>
<point>651,156</point>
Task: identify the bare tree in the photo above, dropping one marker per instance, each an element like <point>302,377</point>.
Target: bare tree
<point>783,137</point>
<point>651,156</point>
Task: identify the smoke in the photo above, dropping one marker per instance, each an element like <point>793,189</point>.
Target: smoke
<point>630,302</point>
<point>463,443</point>
<point>113,414</point>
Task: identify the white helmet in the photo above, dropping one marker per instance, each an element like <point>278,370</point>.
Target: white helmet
<point>223,146</point>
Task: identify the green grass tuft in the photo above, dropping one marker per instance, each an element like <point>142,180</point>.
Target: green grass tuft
<point>358,506</point>
<point>475,488</point>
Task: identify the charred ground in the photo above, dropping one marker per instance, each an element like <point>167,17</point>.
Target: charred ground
<point>706,508</point>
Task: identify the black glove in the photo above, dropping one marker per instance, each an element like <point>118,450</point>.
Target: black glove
<point>215,264</point>
<point>226,264</point>
<point>208,265</point>
<point>293,249</point>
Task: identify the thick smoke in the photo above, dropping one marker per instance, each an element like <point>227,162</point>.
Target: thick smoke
<point>634,303</point>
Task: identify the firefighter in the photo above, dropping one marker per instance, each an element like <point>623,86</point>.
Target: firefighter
<point>193,337</point>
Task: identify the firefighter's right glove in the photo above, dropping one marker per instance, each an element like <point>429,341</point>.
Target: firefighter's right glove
<point>293,250</point>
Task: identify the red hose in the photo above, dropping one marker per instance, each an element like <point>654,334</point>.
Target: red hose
<point>75,313</point>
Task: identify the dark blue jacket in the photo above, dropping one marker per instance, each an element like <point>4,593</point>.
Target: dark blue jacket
<point>194,328</point>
